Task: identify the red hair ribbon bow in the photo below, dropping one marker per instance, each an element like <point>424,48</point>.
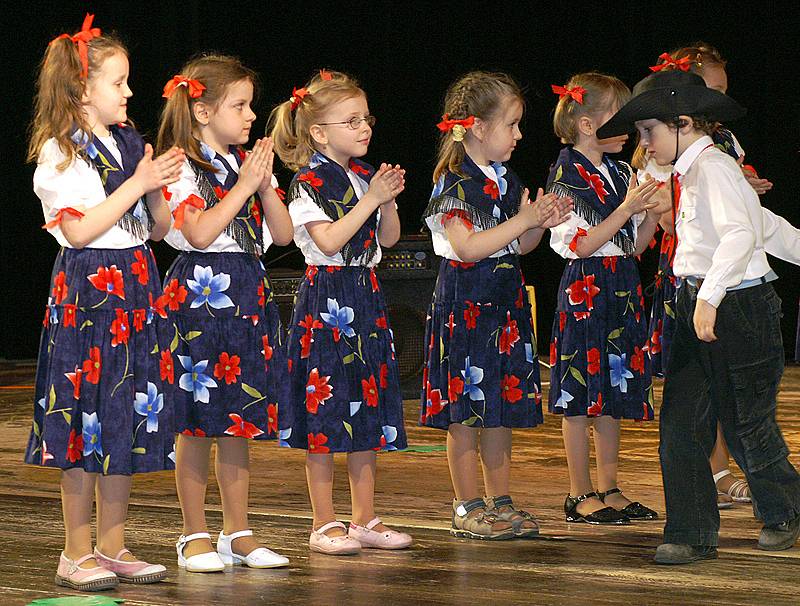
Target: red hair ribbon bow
<point>325,74</point>
<point>81,39</point>
<point>576,92</point>
<point>194,87</point>
<point>60,215</point>
<point>298,94</point>
<point>668,61</point>
<point>447,124</point>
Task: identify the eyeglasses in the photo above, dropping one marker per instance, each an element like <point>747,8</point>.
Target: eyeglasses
<point>353,123</point>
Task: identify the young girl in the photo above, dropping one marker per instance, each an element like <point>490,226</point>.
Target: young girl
<point>343,376</point>
<point>224,362</point>
<point>599,371</point>
<point>481,374</point>
<point>99,413</point>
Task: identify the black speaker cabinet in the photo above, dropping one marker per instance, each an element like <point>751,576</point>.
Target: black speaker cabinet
<point>407,274</point>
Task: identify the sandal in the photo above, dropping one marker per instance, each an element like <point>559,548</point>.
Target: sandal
<point>739,491</point>
<point>504,509</point>
<point>724,501</point>
<point>606,515</point>
<point>482,525</point>
<point>634,511</point>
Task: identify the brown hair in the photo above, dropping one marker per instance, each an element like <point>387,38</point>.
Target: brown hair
<point>478,94</point>
<point>603,92</point>
<point>700,54</point>
<point>700,123</point>
<point>58,105</point>
<point>178,126</point>
<point>290,128</point>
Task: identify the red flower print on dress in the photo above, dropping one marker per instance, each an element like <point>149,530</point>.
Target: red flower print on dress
<point>471,314</point>
<point>370,391</point>
<point>594,181</point>
<point>309,323</point>
<point>174,294</point>
<point>368,241</point>
<point>255,210</point>
<point>373,278</point>
<point>435,404</point>
<point>242,428</point>
<point>596,408</point>
<point>139,317</point>
<point>553,352</point>
<point>139,267</point>
<point>317,390</point>
<point>311,178</point>
<point>311,272</point>
<point>266,348</point>
<point>70,312</point>
<point>562,320</point>
<point>260,293</point>
<point>451,324</point>
<point>611,262</point>
<point>509,335</point>
<point>455,387</point>
<point>384,376</point>
<point>75,378</point>
<point>227,368</point>
<point>655,338</point>
<point>645,412</point>
<point>158,306</point>
<point>316,443</point>
<point>520,302</point>
<point>509,390</point>
<point>581,315</point>
<point>93,366</point>
<point>167,367</point>
<point>120,328</point>
<point>490,189</point>
<point>358,169</point>
<point>198,433</point>
<point>109,280</point>
<point>380,322</point>
<point>573,244</point>
<point>74,446</point>
<point>593,361</point>
<point>583,291</point>
<point>272,418</point>
<point>60,287</point>
<point>637,360</point>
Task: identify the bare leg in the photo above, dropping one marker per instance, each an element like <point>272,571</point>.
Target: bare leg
<point>112,497</point>
<point>575,431</point>
<point>496,460</point>
<point>319,474</point>
<point>462,457</point>
<point>77,496</point>
<point>361,471</point>
<point>233,476</point>
<point>720,461</point>
<point>606,447</point>
<point>191,478</point>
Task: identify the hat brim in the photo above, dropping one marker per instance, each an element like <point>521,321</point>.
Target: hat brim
<point>670,102</point>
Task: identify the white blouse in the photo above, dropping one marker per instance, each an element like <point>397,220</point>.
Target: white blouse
<point>77,186</point>
<point>187,186</point>
<point>303,210</point>
<point>442,246</point>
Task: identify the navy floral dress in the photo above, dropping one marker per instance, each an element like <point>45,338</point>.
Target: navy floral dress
<point>599,336</point>
<point>99,402</point>
<point>222,357</point>
<point>481,367</point>
<point>343,375</point>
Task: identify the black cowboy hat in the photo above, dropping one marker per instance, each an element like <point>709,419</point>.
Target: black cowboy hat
<point>666,95</point>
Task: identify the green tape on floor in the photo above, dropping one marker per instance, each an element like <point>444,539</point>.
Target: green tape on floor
<point>426,448</point>
<point>91,600</point>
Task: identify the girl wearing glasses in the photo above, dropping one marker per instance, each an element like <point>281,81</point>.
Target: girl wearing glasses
<point>343,376</point>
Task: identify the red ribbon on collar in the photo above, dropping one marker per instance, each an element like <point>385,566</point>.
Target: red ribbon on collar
<point>81,40</point>
<point>447,124</point>
<point>684,64</point>
<point>576,92</point>
<point>194,87</point>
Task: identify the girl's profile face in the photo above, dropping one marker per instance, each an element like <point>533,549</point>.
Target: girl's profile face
<point>345,129</point>
<point>230,120</point>
<point>503,131</point>
<point>107,94</point>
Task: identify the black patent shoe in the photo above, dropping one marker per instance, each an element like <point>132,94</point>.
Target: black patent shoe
<point>635,511</point>
<point>607,515</point>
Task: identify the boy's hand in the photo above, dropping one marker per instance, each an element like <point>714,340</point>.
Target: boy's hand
<point>705,316</point>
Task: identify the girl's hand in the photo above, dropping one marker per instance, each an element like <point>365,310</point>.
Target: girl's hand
<point>268,145</point>
<point>386,184</point>
<point>639,197</point>
<point>537,213</point>
<point>154,173</point>
<point>254,168</point>
<point>662,199</point>
<point>761,186</point>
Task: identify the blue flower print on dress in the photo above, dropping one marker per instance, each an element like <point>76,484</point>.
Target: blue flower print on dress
<point>91,435</point>
<point>316,160</point>
<point>472,376</point>
<point>209,288</point>
<point>149,405</point>
<point>619,374</point>
<point>438,188</point>
<point>81,139</point>
<point>339,318</point>
<point>502,184</point>
<point>564,399</point>
<point>283,437</point>
<point>390,435</point>
<point>194,380</point>
<point>219,168</point>
<point>529,353</point>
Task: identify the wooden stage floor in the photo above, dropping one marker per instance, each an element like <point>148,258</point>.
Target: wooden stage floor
<point>570,564</point>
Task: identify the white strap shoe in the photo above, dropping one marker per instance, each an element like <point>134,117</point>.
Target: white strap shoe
<point>201,562</point>
<point>261,557</point>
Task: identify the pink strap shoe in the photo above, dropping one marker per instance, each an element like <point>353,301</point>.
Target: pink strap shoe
<point>322,543</point>
<point>138,572</point>
<point>70,574</point>
<point>388,539</point>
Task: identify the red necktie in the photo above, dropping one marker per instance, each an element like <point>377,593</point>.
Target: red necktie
<point>676,203</point>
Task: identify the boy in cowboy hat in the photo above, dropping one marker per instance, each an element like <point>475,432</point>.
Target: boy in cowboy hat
<point>727,355</point>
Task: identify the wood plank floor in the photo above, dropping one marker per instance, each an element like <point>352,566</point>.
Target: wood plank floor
<point>571,564</point>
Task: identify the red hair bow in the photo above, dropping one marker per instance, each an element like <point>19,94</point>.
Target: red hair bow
<point>325,74</point>
<point>447,124</point>
<point>81,39</point>
<point>298,94</point>
<point>668,61</point>
<point>194,87</point>
<point>576,92</point>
